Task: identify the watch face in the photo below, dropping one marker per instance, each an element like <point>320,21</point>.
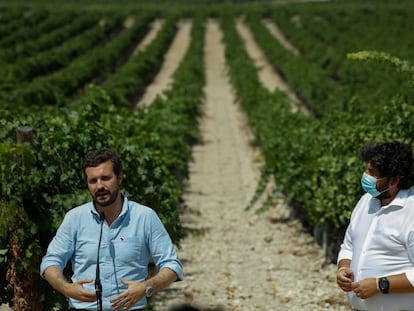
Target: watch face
<point>148,291</point>
<point>384,285</point>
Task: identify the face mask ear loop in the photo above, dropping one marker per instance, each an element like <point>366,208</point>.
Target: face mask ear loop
<point>388,188</point>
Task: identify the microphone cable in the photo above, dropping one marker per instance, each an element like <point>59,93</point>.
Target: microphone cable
<point>98,284</point>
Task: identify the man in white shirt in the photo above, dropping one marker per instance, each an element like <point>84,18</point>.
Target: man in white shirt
<point>376,259</point>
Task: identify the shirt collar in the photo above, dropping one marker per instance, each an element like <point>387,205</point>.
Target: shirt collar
<point>125,206</point>
<point>399,200</point>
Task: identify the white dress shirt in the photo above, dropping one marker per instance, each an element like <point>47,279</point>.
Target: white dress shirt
<point>379,241</point>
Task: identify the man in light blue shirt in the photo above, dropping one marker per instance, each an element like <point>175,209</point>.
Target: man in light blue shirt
<point>131,234</point>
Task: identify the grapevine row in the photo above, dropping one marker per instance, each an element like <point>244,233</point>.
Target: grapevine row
<point>155,145</point>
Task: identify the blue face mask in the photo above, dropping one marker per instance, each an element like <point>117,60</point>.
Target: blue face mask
<point>369,184</point>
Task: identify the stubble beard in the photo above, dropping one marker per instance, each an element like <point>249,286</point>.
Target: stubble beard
<point>112,198</point>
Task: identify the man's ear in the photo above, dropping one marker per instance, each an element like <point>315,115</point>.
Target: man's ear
<point>120,177</point>
<point>395,181</point>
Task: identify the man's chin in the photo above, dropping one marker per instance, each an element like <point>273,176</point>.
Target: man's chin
<point>102,202</point>
<point>104,199</point>
<point>384,195</point>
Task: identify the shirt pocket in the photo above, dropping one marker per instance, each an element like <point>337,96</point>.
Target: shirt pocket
<point>130,251</point>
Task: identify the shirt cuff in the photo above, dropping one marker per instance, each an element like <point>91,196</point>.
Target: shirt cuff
<point>410,276</point>
<point>46,264</point>
<point>177,269</point>
<point>344,254</point>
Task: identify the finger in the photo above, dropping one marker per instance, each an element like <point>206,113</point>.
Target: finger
<point>84,281</point>
<point>89,298</point>
<point>346,287</point>
<point>125,281</point>
<point>117,305</point>
<point>116,299</point>
<point>122,305</point>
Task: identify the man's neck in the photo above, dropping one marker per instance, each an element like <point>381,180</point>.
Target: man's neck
<point>386,201</point>
<point>112,211</point>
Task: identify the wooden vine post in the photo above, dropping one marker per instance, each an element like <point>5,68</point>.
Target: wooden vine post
<point>21,280</point>
<point>24,134</point>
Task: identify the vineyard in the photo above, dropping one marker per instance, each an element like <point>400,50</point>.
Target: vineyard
<point>76,77</point>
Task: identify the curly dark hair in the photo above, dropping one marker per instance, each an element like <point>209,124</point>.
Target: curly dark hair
<point>100,156</point>
<point>392,159</point>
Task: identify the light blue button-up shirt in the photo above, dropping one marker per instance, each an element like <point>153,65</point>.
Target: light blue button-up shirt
<point>126,248</point>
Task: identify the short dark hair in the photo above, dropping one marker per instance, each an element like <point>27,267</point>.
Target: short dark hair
<point>100,156</point>
<point>391,159</point>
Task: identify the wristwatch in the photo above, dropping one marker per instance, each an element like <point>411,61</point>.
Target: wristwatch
<point>148,290</point>
<point>383,285</point>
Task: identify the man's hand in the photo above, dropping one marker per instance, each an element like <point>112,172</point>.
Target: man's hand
<point>365,288</point>
<point>134,293</point>
<point>77,292</point>
<point>344,278</point>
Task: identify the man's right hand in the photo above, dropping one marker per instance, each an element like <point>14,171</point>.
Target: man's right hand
<point>344,278</point>
<point>77,292</point>
<point>74,290</point>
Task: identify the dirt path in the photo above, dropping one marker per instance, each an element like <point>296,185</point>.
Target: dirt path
<point>172,60</point>
<point>240,260</point>
<point>275,31</point>
<point>152,34</point>
<point>267,74</point>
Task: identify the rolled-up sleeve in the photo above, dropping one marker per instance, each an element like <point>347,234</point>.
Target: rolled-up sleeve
<point>161,247</point>
<point>60,248</point>
<point>345,251</point>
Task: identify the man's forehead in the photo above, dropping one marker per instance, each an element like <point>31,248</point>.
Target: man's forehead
<point>104,167</point>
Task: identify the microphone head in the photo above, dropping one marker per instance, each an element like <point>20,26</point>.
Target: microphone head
<point>102,216</point>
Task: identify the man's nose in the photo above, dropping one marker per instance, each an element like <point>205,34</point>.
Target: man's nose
<point>100,183</point>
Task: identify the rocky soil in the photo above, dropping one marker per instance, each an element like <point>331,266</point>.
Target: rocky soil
<point>235,259</point>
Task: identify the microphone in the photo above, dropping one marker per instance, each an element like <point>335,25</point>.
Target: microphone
<point>98,285</point>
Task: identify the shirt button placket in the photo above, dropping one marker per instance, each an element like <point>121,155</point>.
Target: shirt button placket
<point>367,242</point>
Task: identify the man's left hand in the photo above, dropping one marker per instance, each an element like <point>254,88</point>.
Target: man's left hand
<point>365,288</point>
<point>128,299</point>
